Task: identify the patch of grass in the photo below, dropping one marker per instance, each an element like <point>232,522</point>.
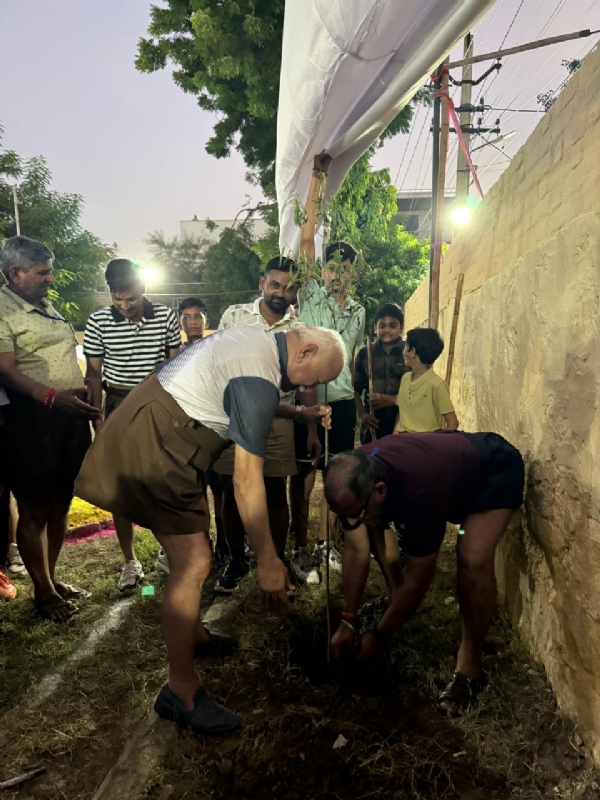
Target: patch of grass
<point>30,647</point>
<point>293,704</point>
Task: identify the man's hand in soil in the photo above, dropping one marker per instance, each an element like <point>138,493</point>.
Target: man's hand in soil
<point>369,421</point>
<point>274,583</point>
<point>71,401</point>
<point>370,648</point>
<point>344,643</point>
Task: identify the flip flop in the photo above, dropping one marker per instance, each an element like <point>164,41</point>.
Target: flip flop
<point>69,592</point>
<point>50,608</point>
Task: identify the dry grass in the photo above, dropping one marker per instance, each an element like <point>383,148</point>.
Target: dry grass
<point>294,706</point>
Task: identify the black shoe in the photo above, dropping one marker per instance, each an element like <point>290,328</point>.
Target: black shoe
<point>220,647</point>
<point>230,580</point>
<point>207,718</point>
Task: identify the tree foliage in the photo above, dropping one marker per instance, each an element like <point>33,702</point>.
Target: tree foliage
<point>228,54</point>
<point>392,261</point>
<point>181,258</point>
<point>54,218</point>
<point>231,272</point>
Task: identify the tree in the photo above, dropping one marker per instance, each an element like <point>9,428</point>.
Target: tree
<point>183,259</point>
<point>231,272</point>
<point>392,262</point>
<point>55,219</point>
<point>229,55</point>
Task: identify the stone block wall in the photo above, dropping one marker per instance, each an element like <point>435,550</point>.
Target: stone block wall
<point>527,365</point>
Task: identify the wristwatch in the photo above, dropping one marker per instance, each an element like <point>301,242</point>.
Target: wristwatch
<point>299,410</point>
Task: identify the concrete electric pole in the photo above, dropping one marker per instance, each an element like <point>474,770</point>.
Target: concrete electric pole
<point>463,176</point>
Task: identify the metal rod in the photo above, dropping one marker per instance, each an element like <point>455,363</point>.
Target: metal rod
<point>521,48</point>
<point>327,550</point>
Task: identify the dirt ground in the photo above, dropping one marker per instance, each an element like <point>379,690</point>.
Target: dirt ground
<point>294,705</point>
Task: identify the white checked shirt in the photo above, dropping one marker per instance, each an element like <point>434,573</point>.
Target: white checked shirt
<point>249,314</point>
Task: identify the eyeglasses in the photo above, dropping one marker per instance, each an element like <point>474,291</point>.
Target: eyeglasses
<point>358,521</point>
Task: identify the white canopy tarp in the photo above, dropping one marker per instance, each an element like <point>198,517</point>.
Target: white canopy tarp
<point>348,67</point>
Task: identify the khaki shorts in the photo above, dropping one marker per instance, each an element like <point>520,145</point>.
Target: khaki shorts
<point>148,463</point>
<point>280,459</point>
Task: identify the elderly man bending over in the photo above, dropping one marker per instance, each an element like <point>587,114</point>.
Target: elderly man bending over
<point>148,463</point>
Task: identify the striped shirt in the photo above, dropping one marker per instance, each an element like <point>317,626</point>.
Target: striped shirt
<point>130,350</point>
<point>249,314</point>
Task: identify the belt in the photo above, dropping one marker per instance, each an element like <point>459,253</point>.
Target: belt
<point>118,391</point>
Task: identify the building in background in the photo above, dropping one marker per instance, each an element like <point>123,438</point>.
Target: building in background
<point>414,213</point>
<point>200,228</point>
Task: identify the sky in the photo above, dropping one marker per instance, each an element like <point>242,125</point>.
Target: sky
<point>133,144</point>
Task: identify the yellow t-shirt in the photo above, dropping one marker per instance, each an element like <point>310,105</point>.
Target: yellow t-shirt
<point>423,403</point>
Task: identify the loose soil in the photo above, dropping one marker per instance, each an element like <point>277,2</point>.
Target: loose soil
<point>294,705</point>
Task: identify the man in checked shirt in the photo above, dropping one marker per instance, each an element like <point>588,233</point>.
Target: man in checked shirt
<point>387,359</point>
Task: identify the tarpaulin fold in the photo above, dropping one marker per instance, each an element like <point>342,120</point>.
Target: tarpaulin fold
<point>348,68</point>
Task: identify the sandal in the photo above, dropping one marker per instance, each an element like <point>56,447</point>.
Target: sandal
<point>69,592</point>
<point>55,608</point>
<point>462,692</point>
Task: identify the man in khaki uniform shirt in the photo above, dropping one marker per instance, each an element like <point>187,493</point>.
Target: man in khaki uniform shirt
<point>47,429</point>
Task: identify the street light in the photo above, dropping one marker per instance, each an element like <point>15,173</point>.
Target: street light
<point>461,213</point>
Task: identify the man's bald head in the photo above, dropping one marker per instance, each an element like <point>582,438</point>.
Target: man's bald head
<point>315,355</point>
<point>356,489</point>
<point>349,478</point>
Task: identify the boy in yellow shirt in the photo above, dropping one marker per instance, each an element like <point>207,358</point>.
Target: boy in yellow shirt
<point>424,398</point>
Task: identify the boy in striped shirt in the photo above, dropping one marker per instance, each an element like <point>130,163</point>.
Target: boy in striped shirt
<point>123,343</point>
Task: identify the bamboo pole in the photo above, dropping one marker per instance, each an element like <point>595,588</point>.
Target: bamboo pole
<point>370,372</point>
<point>457,299</point>
<point>440,187</point>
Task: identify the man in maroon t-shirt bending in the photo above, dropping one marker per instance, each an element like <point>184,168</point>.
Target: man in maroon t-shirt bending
<point>420,481</point>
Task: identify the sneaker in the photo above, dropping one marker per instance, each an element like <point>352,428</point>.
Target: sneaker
<point>131,574</point>
<point>206,719</point>
<point>14,561</point>
<point>230,580</point>
<point>7,590</point>
<point>320,555</point>
<point>162,562</point>
<point>304,567</point>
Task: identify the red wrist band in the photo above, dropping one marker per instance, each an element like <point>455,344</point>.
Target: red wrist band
<point>49,398</point>
<point>349,615</point>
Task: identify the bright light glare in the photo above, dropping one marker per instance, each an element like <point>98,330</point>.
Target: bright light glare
<point>152,275</point>
<point>461,216</point>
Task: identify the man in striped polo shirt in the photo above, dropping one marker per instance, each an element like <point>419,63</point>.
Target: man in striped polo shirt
<point>123,343</point>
